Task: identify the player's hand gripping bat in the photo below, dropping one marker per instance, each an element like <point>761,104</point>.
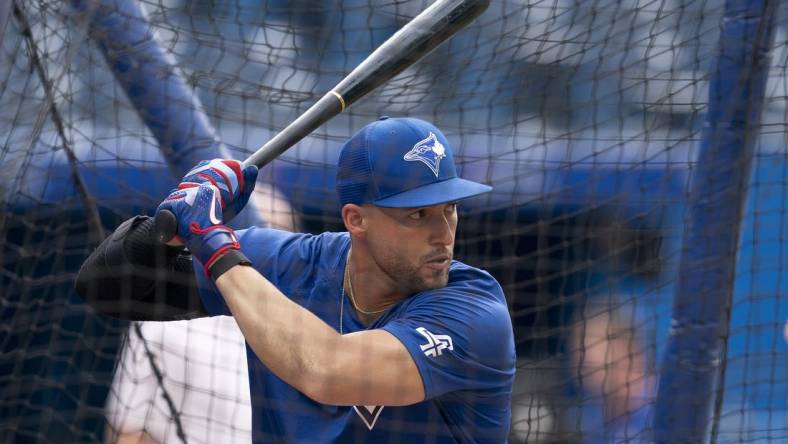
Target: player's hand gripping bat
<point>421,35</point>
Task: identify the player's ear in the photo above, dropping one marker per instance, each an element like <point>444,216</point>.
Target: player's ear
<point>353,218</point>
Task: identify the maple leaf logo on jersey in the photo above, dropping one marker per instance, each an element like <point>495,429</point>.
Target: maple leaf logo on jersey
<point>429,152</point>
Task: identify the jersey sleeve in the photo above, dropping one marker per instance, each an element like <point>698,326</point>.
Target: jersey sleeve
<point>212,300</point>
<point>460,337</point>
<point>277,255</point>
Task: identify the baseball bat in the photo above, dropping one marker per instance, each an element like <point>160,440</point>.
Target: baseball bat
<point>413,41</point>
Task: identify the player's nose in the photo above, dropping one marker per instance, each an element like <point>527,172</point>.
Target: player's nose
<point>442,230</point>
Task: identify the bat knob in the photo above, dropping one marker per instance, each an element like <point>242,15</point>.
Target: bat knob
<point>165,226</point>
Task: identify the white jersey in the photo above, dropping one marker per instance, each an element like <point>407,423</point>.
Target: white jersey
<point>203,371</point>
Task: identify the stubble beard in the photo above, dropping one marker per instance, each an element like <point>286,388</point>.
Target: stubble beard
<point>411,278</point>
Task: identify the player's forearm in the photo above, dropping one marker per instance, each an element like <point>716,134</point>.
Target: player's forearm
<point>291,341</point>
<point>363,368</point>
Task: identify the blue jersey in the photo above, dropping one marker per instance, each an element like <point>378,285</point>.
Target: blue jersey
<point>459,336</point>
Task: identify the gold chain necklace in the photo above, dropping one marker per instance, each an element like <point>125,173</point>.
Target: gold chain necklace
<point>350,289</point>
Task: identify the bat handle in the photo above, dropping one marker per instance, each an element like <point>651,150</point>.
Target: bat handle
<point>165,226</point>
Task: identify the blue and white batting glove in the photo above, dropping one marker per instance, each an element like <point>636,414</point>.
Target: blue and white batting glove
<point>235,183</point>
<point>198,209</point>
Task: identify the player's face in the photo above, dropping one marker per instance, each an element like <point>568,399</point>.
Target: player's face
<point>414,246</point>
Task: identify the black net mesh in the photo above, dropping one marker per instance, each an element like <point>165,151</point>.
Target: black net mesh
<point>584,117</point>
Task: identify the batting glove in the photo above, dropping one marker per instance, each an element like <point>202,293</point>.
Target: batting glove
<point>198,209</point>
<point>235,183</point>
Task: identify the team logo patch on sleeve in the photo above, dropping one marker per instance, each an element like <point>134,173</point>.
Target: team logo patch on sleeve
<point>429,152</point>
<point>435,343</point>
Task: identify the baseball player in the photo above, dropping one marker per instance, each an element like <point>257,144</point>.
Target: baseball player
<point>371,335</point>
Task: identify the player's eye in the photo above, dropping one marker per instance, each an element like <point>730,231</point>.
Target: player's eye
<point>451,208</point>
<point>417,215</point>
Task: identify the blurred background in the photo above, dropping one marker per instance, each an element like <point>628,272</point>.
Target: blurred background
<point>585,116</point>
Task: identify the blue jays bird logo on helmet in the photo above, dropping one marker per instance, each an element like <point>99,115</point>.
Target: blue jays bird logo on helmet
<point>429,152</point>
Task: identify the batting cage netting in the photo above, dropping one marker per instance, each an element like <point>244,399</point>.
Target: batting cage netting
<point>637,224</point>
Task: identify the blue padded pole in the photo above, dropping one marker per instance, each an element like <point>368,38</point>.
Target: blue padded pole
<point>702,300</point>
<point>5,16</point>
<point>151,81</point>
<point>156,88</point>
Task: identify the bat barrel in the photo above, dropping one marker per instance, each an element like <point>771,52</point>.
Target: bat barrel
<point>413,41</point>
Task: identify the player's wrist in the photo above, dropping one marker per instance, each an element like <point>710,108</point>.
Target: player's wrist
<point>226,261</point>
<point>208,245</point>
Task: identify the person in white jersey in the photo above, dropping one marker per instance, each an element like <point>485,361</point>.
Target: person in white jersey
<point>187,381</point>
